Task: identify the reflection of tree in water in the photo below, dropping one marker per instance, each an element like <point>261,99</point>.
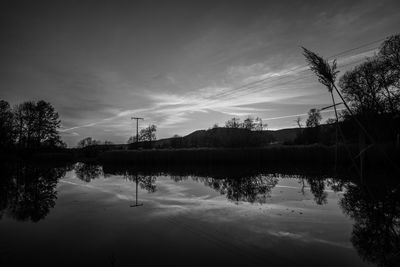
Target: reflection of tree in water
<point>376,212</point>
<point>28,191</point>
<point>87,172</point>
<point>146,182</point>
<point>178,178</point>
<point>317,187</point>
<point>250,189</point>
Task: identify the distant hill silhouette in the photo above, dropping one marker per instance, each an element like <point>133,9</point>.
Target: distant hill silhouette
<point>285,135</point>
<point>228,137</point>
<point>215,137</point>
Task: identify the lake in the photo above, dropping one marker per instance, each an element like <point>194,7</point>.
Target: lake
<point>94,215</point>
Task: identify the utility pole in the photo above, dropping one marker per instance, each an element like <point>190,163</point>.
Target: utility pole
<point>137,129</point>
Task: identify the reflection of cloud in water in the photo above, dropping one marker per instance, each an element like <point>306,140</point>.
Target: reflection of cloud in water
<point>304,237</point>
<point>100,189</point>
<point>189,199</point>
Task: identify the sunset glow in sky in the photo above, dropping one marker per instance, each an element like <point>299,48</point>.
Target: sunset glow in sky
<point>182,65</point>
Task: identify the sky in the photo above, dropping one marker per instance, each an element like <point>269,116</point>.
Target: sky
<point>181,65</point>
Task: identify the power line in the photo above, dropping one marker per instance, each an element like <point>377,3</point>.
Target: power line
<point>284,75</point>
<point>358,47</point>
<point>305,77</point>
<point>302,66</point>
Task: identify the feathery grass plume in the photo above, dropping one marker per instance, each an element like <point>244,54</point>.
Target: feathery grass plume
<point>325,72</point>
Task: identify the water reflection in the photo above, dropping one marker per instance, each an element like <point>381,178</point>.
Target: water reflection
<point>249,189</point>
<point>27,191</point>
<point>146,182</point>
<point>375,208</point>
<point>88,172</point>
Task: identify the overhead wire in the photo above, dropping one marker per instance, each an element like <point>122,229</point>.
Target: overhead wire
<point>250,85</point>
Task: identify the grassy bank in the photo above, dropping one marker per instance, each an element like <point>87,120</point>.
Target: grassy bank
<point>312,154</point>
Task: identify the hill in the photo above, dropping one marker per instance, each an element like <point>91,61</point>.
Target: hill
<point>228,137</point>
<point>284,135</point>
<point>216,137</point>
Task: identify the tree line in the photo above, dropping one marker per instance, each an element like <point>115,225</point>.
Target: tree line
<point>29,125</point>
<point>249,123</point>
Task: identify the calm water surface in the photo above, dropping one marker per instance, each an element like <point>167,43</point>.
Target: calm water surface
<point>88,215</point>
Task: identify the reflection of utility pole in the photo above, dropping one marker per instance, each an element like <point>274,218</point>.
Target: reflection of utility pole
<point>136,204</point>
<point>137,129</point>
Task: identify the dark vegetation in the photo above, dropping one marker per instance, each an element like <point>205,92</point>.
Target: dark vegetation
<point>371,94</point>
<point>310,154</point>
<point>28,129</point>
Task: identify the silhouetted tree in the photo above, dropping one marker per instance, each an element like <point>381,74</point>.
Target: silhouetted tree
<point>88,141</point>
<point>298,122</point>
<point>7,135</point>
<point>248,123</point>
<point>148,133</point>
<point>233,123</point>
<point>390,51</point>
<point>362,89</point>
<point>314,118</point>
<point>36,125</point>
<point>312,132</point>
<point>259,125</point>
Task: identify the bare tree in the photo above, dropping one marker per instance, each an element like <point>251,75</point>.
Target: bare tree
<point>233,123</point>
<point>259,125</point>
<point>298,122</point>
<point>37,124</point>
<point>88,141</point>
<point>148,133</point>
<point>248,123</point>
<point>314,118</point>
